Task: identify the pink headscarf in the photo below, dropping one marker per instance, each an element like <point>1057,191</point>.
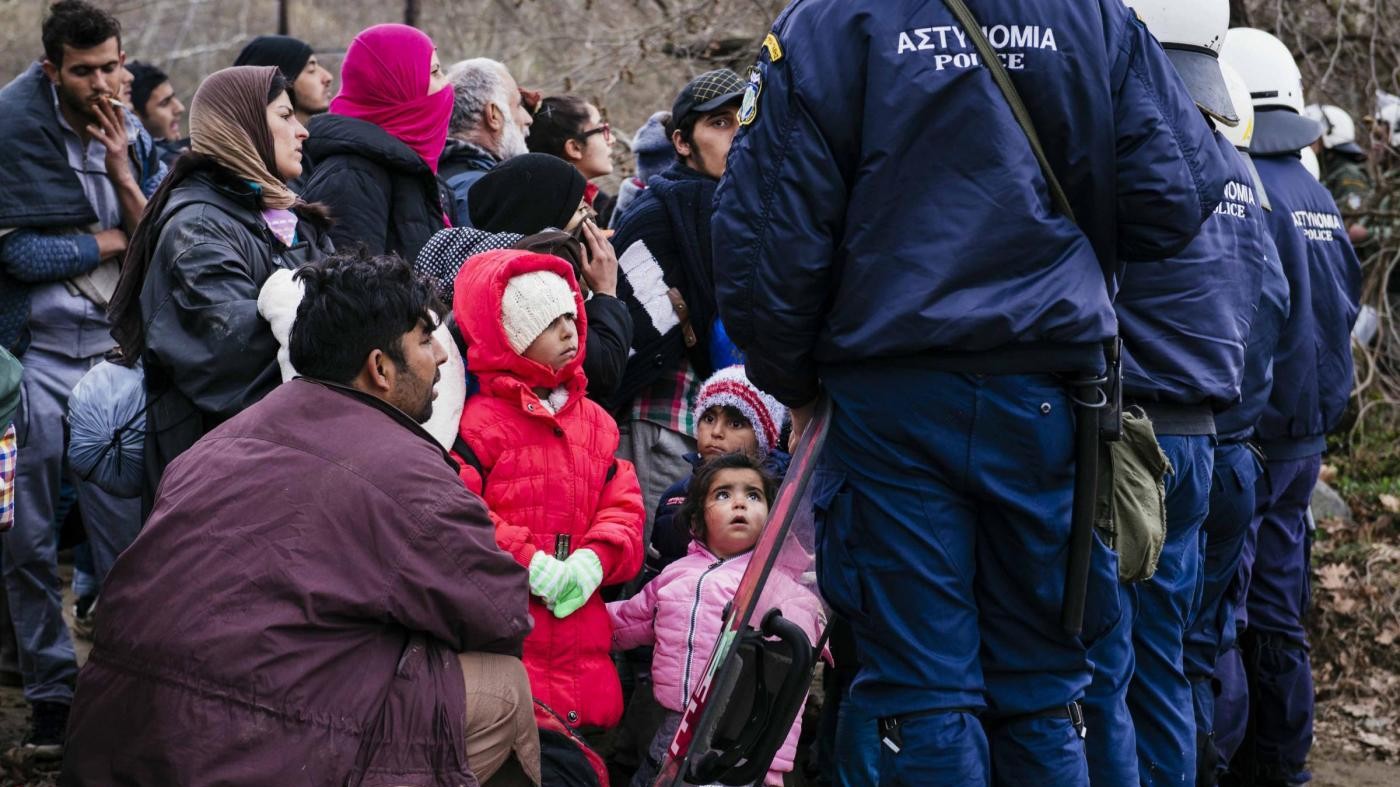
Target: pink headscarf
<point>384,80</point>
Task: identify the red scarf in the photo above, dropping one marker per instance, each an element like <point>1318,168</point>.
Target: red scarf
<point>384,81</point>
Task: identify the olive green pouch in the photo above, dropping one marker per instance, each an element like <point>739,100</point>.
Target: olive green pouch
<point>1131,514</point>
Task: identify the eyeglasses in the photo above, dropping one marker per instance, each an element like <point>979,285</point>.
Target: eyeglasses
<point>605,130</point>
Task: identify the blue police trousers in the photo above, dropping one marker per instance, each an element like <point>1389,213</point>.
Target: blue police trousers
<point>1222,544</point>
<point>1148,678</point>
<point>1110,740</point>
<point>1275,650</point>
<point>943,530</point>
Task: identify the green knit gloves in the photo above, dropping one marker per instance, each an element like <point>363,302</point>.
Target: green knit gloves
<point>565,585</point>
<point>549,578</point>
<point>586,573</point>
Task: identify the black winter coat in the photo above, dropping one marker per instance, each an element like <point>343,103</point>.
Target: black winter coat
<point>209,355</point>
<point>380,193</point>
<point>609,341</point>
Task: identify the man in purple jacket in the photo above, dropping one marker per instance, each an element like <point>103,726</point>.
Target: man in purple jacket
<point>316,598</point>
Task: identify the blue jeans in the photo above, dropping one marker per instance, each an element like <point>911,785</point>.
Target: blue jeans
<point>30,561</point>
<point>943,528</point>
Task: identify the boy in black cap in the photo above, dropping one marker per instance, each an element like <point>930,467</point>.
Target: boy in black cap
<point>310,82</point>
<point>663,246</point>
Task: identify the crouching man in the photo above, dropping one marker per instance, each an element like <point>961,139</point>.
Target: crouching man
<point>316,599</point>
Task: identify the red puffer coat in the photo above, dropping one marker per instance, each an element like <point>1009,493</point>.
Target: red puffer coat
<point>546,475</point>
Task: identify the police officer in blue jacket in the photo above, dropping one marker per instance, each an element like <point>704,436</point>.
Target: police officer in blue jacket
<point>1312,383</point>
<point>1212,649</point>
<point>884,231</point>
<point>1184,323</point>
<point>1237,467</point>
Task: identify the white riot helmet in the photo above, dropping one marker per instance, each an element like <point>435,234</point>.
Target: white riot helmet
<point>1192,32</point>
<point>1242,134</point>
<point>1310,163</point>
<point>1390,116</point>
<point>1338,129</point>
<point>1276,87</point>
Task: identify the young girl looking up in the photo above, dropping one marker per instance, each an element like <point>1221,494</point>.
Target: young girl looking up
<point>681,612</point>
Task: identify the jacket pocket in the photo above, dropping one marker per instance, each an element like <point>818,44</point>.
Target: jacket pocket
<point>837,574</point>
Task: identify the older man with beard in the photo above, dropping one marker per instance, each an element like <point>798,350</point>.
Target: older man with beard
<point>489,125</point>
<point>316,598</point>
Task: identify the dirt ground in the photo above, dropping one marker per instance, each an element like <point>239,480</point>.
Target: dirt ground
<point>1336,760</point>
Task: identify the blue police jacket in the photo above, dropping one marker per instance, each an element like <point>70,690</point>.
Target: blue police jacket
<point>880,199</point>
<point>1312,363</point>
<point>1238,422</point>
<point>1185,321</point>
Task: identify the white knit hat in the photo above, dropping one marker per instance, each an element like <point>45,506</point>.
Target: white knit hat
<point>531,302</point>
<point>731,388</point>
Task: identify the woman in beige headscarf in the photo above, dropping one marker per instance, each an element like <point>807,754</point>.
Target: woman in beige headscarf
<point>217,228</point>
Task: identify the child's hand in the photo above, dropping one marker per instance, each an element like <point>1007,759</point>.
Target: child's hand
<point>550,579</point>
<point>586,574</point>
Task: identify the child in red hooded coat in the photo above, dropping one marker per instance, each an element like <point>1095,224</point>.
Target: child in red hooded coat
<point>541,455</point>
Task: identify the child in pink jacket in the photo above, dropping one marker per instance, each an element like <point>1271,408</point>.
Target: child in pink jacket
<point>681,612</point>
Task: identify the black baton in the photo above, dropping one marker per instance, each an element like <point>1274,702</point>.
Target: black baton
<point>1081,527</point>
<point>1097,409</point>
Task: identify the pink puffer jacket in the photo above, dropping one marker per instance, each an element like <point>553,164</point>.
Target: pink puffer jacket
<point>681,612</point>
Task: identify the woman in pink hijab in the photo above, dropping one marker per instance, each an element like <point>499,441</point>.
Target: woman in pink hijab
<point>375,155</point>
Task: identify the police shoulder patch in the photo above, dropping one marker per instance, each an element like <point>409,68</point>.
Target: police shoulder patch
<point>775,50</point>
<point>748,108</point>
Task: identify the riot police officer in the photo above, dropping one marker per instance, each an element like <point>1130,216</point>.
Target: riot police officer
<point>884,232</point>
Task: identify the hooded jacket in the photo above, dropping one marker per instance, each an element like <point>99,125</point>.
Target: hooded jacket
<point>681,612</point>
<point>1185,321</point>
<point>548,474</point>
<point>379,191</point>
<point>881,201</point>
<point>1312,362</point>
<point>291,612</point>
<point>209,355</point>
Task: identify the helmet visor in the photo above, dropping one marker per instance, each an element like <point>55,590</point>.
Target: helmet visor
<point>1279,130</point>
<point>1200,70</point>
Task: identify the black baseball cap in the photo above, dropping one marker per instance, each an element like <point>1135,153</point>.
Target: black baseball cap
<point>709,91</point>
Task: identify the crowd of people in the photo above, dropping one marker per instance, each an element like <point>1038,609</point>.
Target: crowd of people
<point>422,459</point>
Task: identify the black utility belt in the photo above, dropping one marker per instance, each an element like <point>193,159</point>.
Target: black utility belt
<point>1181,420</point>
<point>1034,358</point>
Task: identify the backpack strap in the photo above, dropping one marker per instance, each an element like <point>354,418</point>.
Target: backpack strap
<point>470,459</point>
